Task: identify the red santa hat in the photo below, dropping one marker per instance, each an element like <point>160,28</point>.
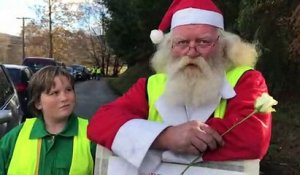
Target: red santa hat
<point>183,12</point>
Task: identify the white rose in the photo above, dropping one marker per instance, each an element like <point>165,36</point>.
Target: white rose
<point>265,103</point>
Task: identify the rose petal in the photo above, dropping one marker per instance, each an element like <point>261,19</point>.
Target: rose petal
<point>264,103</point>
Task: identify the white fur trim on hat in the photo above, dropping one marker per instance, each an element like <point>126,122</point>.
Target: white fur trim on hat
<point>197,16</point>
<point>156,36</point>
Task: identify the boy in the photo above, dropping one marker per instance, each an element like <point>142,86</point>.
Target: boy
<point>55,141</point>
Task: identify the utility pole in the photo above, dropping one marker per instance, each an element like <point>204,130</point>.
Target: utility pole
<point>50,30</point>
<point>23,35</point>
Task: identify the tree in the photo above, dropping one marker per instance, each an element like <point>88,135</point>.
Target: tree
<point>69,46</point>
<point>266,23</point>
<point>82,43</point>
<point>98,50</point>
<point>294,46</point>
<point>56,13</point>
<point>128,27</point>
<point>231,10</point>
<point>36,40</point>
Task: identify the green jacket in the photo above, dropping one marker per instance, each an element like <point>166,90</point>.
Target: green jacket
<point>56,150</point>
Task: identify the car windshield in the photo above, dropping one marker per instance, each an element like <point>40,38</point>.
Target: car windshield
<point>69,69</point>
<point>37,64</point>
<point>77,68</point>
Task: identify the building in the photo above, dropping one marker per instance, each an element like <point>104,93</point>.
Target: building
<point>10,49</point>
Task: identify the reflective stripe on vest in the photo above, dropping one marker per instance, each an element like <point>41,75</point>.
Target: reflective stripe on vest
<point>24,158</point>
<point>156,86</point>
<point>98,70</point>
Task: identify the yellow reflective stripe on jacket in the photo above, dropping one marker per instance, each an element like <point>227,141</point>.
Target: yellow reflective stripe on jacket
<point>81,151</point>
<point>82,160</point>
<point>156,86</point>
<point>17,164</point>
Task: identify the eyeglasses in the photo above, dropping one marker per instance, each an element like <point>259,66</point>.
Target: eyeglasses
<point>199,43</point>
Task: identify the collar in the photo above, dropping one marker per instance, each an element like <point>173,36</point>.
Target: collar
<point>39,129</point>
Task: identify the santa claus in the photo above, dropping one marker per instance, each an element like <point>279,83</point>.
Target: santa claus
<point>205,83</point>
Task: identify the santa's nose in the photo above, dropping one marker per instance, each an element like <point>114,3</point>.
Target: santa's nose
<point>193,51</point>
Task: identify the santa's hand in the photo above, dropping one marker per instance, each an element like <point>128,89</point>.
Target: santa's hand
<point>192,137</point>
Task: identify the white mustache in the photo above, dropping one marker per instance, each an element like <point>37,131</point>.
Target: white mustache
<point>184,61</point>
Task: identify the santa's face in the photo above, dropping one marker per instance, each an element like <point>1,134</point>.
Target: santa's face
<point>195,81</point>
<point>195,57</point>
<point>194,51</point>
<point>192,60</point>
<point>194,40</point>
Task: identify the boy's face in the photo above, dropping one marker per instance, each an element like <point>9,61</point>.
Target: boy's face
<point>59,103</point>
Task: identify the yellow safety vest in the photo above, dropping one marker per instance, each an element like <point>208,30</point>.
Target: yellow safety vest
<point>25,159</point>
<point>156,86</point>
<point>98,70</point>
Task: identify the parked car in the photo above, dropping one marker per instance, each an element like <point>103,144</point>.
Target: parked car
<point>21,75</point>
<point>61,64</point>
<point>71,71</point>
<point>10,108</point>
<point>80,72</point>
<point>36,63</point>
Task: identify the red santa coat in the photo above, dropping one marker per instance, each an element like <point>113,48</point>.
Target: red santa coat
<point>250,140</point>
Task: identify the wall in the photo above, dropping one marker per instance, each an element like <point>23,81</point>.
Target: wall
<point>10,49</point>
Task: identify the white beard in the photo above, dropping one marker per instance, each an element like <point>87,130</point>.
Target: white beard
<point>193,81</point>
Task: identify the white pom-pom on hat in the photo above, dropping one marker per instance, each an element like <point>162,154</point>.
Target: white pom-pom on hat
<point>156,36</point>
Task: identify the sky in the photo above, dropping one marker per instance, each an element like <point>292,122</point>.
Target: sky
<point>10,10</point>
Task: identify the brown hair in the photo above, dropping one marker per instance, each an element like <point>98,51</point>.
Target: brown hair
<point>43,81</point>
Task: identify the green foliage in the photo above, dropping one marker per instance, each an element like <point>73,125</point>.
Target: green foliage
<point>265,22</point>
<point>230,10</point>
<point>124,81</point>
<point>129,25</point>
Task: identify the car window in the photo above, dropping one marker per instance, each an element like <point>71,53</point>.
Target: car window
<point>77,68</point>
<point>6,88</point>
<point>69,69</point>
<point>14,74</point>
<point>24,77</point>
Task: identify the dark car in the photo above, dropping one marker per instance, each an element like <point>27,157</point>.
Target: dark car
<point>21,75</point>
<point>36,63</point>
<point>71,71</point>
<point>80,72</point>
<point>10,109</point>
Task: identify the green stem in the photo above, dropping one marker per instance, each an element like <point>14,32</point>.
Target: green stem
<point>228,130</point>
<point>191,164</point>
<point>238,123</point>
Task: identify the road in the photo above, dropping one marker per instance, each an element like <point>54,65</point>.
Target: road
<point>91,95</point>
